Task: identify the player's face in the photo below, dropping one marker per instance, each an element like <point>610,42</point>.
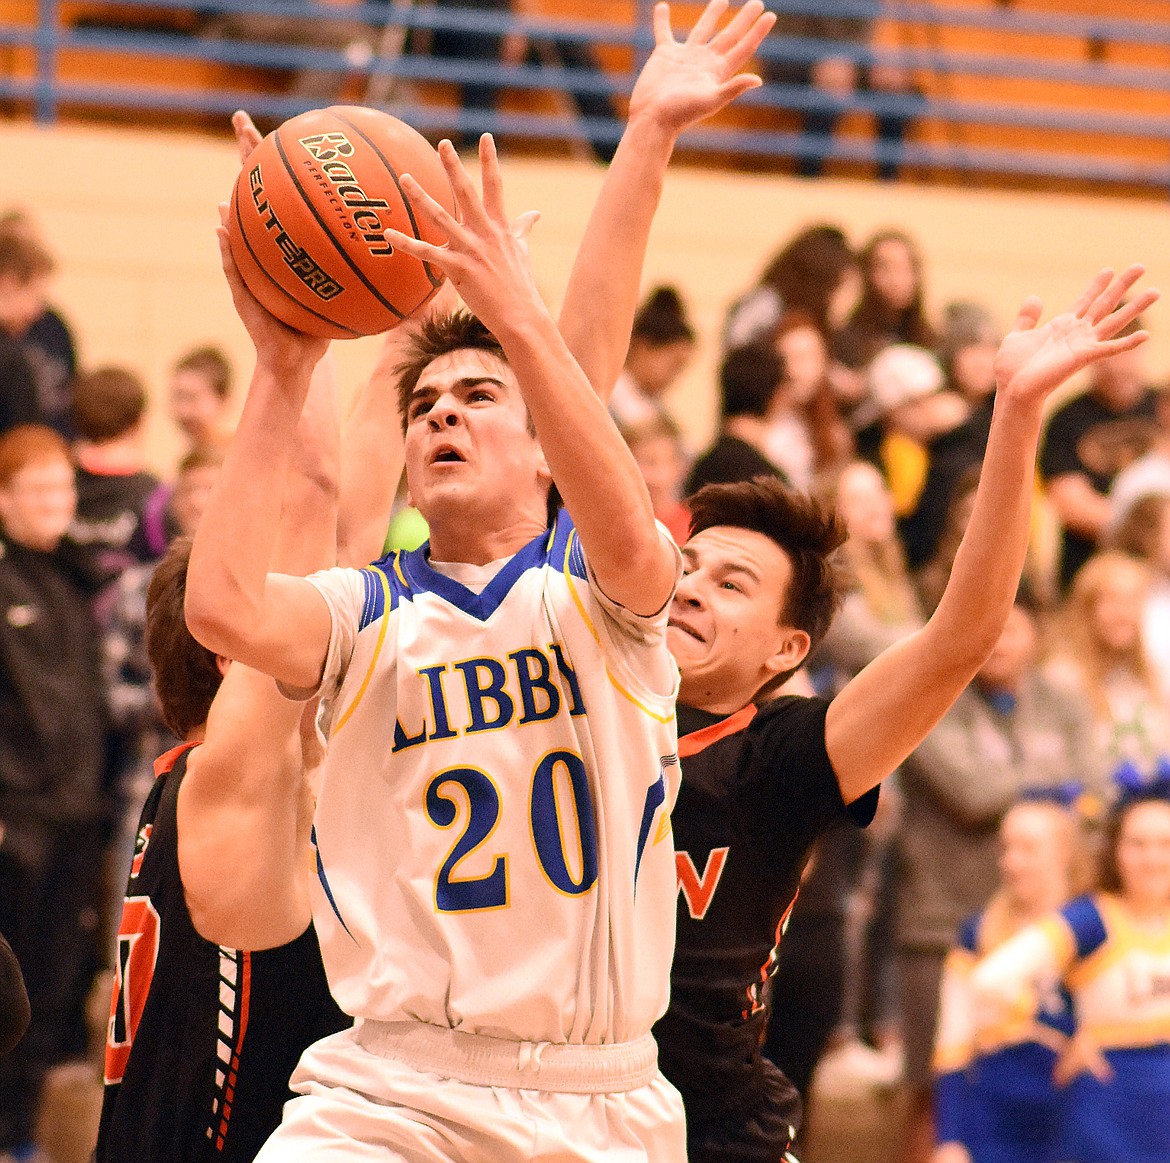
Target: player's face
<point>1033,856</point>
<point>470,449</point>
<point>725,628</point>
<point>38,503</point>
<point>1143,854</point>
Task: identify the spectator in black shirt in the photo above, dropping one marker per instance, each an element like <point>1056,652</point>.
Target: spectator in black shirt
<point>749,380</point>
<point>14,1011</point>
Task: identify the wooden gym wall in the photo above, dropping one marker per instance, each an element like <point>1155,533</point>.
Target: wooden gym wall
<point>130,217</point>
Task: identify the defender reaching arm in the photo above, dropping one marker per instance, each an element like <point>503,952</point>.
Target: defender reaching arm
<point>882,715</point>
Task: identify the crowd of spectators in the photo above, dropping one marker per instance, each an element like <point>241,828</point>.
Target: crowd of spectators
<point>836,377</point>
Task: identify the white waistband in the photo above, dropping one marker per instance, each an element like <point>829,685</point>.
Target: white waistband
<point>484,1061</point>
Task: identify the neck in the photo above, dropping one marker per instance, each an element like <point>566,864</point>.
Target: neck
<point>1147,908</point>
<point>466,542</point>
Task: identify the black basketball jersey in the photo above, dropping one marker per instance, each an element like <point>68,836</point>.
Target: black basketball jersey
<point>202,1039</point>
<point>757,790</point>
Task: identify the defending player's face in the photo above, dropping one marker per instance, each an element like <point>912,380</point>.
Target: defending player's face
<point>38,503</point>
<point>1143,854</point>
<point>725,628</point>
<point>469,443</point>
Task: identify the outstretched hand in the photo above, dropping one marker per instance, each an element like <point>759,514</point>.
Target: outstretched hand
<point>486,256</point>
<point>684,82</point>
<point>1032,361</point>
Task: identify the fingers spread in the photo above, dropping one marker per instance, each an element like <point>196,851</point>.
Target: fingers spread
<point>1108,299</point>
<point>661,20</point>
<point>743,23</point>
<point>708,22</point>
<point>466,196</point>
<point>1127,313</point>
<point>745,48</point>
<point>435,213</point>
<point>1086,298</point>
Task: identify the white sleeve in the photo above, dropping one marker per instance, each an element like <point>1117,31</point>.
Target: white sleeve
<point>638,640</point>
<point>347,595</point>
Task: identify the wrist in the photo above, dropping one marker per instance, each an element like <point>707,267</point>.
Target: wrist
<point>650,130</point>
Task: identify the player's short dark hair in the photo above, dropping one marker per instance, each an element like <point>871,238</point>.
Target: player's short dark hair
<point>440,335</point>
<point>23,256</point>
<point>107,403</point>
<point>809,533</point>
<point>212,364</point>
<point>749,378</point>
<point>186,675</point>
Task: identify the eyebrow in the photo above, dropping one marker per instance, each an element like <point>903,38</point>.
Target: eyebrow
<point>690,558</point>
<point>464,384</point>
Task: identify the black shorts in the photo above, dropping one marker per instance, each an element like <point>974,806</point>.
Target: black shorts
<point>758,1130</point>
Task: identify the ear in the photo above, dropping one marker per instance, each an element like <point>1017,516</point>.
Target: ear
<point>790,653</point>
<point>543,472</point>
<point>222,662</point>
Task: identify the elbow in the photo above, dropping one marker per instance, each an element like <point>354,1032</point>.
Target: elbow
<point>209,625</point>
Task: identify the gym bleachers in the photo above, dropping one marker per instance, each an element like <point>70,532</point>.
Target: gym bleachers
<point>1071,94</point>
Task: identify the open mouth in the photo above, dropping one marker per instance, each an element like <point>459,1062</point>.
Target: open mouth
<point>686,628</point>
<point>445,454</point>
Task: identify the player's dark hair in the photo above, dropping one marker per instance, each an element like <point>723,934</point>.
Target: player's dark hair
<point>749,378</point>
<point>107,403</point>
<point>440,335</point>
<point>186,676</point>
<point>211,363</point>
<point>807,531</point>
<point>662,319</point>
<point>1108,875</point>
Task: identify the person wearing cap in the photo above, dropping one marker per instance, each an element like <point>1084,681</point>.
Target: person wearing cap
<point>909,400</point>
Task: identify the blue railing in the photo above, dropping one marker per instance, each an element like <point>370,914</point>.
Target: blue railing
<point>763,129</point>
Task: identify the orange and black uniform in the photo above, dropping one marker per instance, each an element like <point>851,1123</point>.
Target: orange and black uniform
<point>202,1039</point>
<point>757,790</point>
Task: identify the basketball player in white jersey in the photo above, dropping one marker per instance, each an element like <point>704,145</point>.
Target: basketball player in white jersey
<point>495,898</point>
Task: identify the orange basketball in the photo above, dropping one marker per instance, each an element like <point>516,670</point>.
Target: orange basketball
<point>308,214</point>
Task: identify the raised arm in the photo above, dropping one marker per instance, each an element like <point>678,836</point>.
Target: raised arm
<point>886,711</point>
<point>274,623</point>
<point>600,483</point>
<point>681,84</point>
<point>244,812</point>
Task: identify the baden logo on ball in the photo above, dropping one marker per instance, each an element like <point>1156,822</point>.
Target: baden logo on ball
<point>308,218</point>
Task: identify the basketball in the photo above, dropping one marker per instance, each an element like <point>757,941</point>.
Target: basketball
<point>308,215</point>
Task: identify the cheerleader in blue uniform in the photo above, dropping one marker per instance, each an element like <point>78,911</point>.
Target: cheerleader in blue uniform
<point>1112,951</point>
<point>995,1101</point>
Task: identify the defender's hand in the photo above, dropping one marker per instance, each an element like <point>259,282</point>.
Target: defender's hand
<point>683,83</point>
<point>1033,360</point>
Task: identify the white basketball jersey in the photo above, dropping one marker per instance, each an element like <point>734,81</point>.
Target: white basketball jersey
<point>493,828</point>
